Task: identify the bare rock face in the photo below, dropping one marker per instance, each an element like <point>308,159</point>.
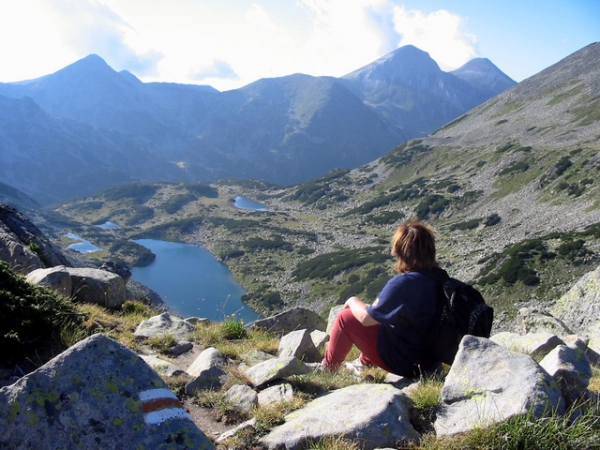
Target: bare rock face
<point>23,246</point>
<point>96,395</point>
<point>579,308</point>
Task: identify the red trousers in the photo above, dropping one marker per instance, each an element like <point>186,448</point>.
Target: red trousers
<point>348,331</point>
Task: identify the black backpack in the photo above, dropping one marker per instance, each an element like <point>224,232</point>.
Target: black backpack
<point>461,310</point>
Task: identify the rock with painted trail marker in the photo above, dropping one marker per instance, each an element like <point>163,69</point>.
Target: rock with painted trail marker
<point>96,395</point>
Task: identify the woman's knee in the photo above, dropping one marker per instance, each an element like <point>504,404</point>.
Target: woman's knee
<point>345,318</point>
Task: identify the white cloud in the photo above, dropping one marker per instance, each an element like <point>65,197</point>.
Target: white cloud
<point>225,44</point>
<point>442,34</point>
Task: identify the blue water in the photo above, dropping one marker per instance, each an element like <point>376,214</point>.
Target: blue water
<point>109,226</point>
<point>192,282</point>
<point>83,246</point>
<point>246,203</point>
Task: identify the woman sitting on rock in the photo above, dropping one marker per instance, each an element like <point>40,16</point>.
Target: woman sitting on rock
<point>391,333</point>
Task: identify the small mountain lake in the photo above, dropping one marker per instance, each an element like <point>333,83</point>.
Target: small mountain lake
<point>83,246</point>
<point>192,282</point>
<point>246,203</point>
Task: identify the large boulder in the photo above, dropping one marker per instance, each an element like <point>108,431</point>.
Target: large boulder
<point>165,324</point>
<point>299,344</point>
<point>55,278</point>
<point>488,383</point>
<point>96,395</point>
<point>570,368</point>
<point>207,371</point>
<point>372,415</point>
<point>83,284</point>
<point>275,369</point>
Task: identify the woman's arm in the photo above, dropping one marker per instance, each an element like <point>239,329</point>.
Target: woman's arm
<point>359,311</point>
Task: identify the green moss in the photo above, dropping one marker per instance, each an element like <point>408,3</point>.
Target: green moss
<point>133,405</point>
<point>14,409</point>
<point>97,393</point>
<point>117,422</point>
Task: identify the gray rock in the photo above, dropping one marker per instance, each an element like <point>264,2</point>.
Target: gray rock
<point>179,348</point>
<point>96,395</point>
<point>579,308</point>
<point>533,320</point>
<point>571,369</point>
<point>593,351</point>
<point>299,344</point>
<point>249,424</point>
<point>161,366</point>
<point>242,396</point>
<point>537,345</point>
<point>56,278</point>
<point>372,415</point>
<point>207,371</point>
<point>488,383</point>
<point>118,269</point>
<point>164,324</point>
<point>254,357</point>
<point>83,284</point>
<point>275,369</point>
<point>23,245</point>
<point>291,320</point>
<point>506,339</point>
<point>138,291</point>
<point>278,392</point>
<point>97,286</point>
<point>19,256</point>
<point>320,340</point>
<point>333,313</point>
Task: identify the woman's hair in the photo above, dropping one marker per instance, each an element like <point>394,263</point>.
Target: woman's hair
<point>413,245</point>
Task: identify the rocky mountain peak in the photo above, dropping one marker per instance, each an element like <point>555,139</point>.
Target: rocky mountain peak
<point>483,74</point>
<point>400,66</point>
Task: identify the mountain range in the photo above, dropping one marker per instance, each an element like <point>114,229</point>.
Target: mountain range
<point>510,187</point>
<point>88,127</point>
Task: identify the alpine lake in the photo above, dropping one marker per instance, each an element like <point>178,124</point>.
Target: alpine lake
<point>189,279</point>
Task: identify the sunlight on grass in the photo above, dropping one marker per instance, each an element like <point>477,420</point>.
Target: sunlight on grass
<point>427,392</point>
<point>119,324</point>
<point>219,335</point>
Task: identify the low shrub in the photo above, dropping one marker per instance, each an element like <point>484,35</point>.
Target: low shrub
<point>31,316</point>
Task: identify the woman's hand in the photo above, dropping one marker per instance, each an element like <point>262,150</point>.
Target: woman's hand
<point>359,311</point>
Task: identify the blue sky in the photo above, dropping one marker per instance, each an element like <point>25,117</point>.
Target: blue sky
<point>230,43</point>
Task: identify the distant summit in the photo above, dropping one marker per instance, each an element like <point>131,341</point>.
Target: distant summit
<point>416,97</point>
<point>402,66</point>
<point>484,75</point>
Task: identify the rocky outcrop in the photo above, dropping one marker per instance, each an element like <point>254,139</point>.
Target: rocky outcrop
<point>23,246</point>
<point>579,308</point>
